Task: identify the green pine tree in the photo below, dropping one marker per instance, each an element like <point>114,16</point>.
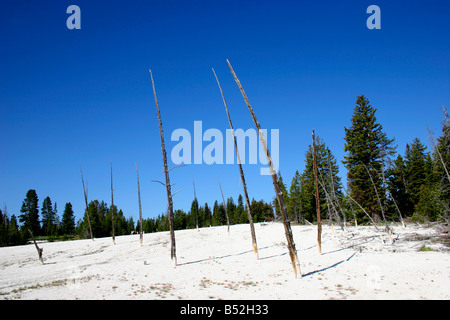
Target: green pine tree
<point>368,148</point>
<point>295,203</point>
<point>193,215</point>
<point>179,219</point>
<point>260,210</point>
<point>30,214</point>
<point>219,217</point>
<point>130,226</point>
<point>48,218</point>
<point>240,215</point>
<point>4,222</point>
<point>68,220</point>
<point>231,209</point>
<point>14,236</point>
<point>120,224</point>
<point>57,220</point>
<point>425,209</point>
<point>9,230</point>
<point>416,169</point>
<point>205,220</point>
<point>96,224</point>
<point>105,226</point>
<point>396,184</point>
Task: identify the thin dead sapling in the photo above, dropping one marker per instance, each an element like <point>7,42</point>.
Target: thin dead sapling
<point>168,186</point>
<point>316,186</point>
<point>241,171</point>
<point>87,208</point>
<point>278,193</point>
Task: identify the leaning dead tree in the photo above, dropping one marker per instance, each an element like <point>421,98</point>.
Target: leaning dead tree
<point>387,229</point>
<point>279,194</point>
<point>140,208</point>
<point>241,171</point>
<point>173,254</point>
<point>112,207</point>
<point>378,198</point>
<point>334,193</point>
<point>353,211</point>
<point>316,184</point>
<point>87,207</point>
<point>225,206</point>
<point>398,209</point>
<point>437,149</point>
<point>368,215</point>
<point>39,250</point>
<point>331,207</point>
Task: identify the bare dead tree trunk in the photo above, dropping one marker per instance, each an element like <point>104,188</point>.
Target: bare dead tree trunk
<point>112,207</point>
<point>279,194</point>
<point>334,191</point>
<point>398,209</point>
<point>329,209</point>
<point>330,204</point>
<point>241,171</point>
<point>87,207</point>
<point>379,203</point>
<point>225,206</point>
<point>353,212</point>
<point>168,186</point>
<point>328,196</point>
<point>316,185</point>
<point>439,153</point>
<point>141,236</point>
<point>39,250</point>
<point>196,206</point>
<point>368,215</point>
<point>329,200</point>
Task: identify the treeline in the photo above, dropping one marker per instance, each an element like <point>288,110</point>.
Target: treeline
<point>45,223</point>
<point>205,216</point>
<point>201,216</point>
<point>14,231</point>
<point>415,185</point>
<point>100,215</point>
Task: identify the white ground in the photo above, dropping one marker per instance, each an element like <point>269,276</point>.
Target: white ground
<point>354,264</point>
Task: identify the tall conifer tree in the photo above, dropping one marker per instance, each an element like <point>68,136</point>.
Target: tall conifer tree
<point>295,204</point>
<point>416,168</point>
<point>68,220</point>
<point>48,217</point>
<point>367,146</point>
<point>30,213</point>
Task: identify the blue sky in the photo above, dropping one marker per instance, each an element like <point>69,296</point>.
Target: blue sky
<point>83,98</point>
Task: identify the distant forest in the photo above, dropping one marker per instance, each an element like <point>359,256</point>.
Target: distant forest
<point>381,185</point>
<point>50,226</point>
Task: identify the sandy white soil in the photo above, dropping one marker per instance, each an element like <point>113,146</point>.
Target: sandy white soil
<point>355,264</point>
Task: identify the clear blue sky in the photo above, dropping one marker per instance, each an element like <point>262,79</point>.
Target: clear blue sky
<point>83,98</point>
